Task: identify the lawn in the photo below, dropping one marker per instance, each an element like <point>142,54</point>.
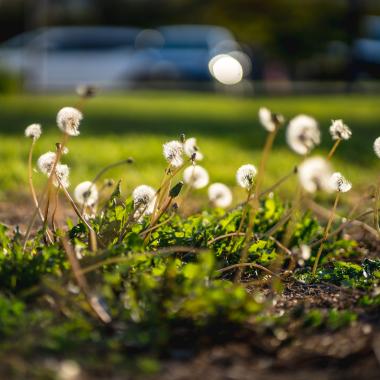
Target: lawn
<point>161,295</point>
<point>117,126</point>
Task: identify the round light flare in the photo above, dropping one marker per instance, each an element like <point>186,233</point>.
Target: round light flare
<point>226,69</point>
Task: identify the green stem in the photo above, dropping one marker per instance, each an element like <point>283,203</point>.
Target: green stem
<point>375,210</point>
<point>256,203</point>
<point>326,234</point>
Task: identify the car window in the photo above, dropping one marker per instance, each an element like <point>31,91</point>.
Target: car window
<point>193,37</point>
<point>20,40</point>
<point>372,27</point>
<point>69,40</point>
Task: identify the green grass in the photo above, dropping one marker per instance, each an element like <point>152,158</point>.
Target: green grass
<point>122,125</point>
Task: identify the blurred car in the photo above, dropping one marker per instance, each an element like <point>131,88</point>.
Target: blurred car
<point>366,50</point>
<point>63,57</point>
<point>119,57</point>
<point>188,53</point>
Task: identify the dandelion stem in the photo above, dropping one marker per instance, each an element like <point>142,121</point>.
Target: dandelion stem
<point>326,234</point>
<point>162,191</point>
<point>375,209</point>
<point>243,215</point>
<point>56,195</point>
<point>333,149</point>
<point>101,172</point>
<point>250,265</point>
<point>256,203</point>
<point>111,166</point>
<point>93,302</point>
<point>159,191</point>
<point>33,191</point>
<point>294,217</point>
<point>189,186</point>
<point>51,177</point>
<point>149,230</point>
<point>29,228</point>
<point>74,206</point>
<point>156,219</point>
<point>279,182</point>
<point>30,179</point>
<point>129,220</point>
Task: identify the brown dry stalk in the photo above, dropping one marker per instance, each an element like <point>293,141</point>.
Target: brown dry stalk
<point>93,301</point>
<point>159,252</point>
<point>212,241</point>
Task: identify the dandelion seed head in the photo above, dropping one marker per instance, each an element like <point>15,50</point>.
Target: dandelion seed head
<point>196,176</point>
<point>245,176</point>
<point>270,120</point>
<point>220,195</point>
<point>45,162</point>
<point>305,251</point>
<point>62,172</point>
<point>144,198</point>
<point>314,174</point>
<point>86,193</point>
<point>376,147</point>
<point>191,149</point>
<point>86,90</point>
<point>68,120</point>
<point>303,134</point>
<point>173,151</point>
<point>340,183</point>
<point>69,370</point>
<point>33,131</point>
<point>339,130</point>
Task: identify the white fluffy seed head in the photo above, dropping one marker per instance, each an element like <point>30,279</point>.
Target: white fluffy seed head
<point>45,162</point>
<point>68,120</point>
<point>196,176</point>
<point>191,149</point>
<point>33,131</point>
<point>219,195</point>
<point>144,198</point>
<point>270,120</point>
<point>86,90</point>
<point>314,174</point>
<point>340,183</point>
<point>376,147</point>
<point>86,194</point>
<point>62,172</point>
<point>305,251</point>
<point>303,134</point>
<point>339,130</point>
<point>173,151</point>
<point>245,176</point>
